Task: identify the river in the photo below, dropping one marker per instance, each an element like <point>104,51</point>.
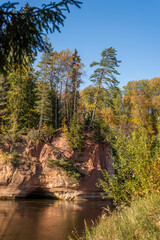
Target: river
<point>46,219</point>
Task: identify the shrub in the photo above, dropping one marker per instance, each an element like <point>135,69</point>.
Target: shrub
<point>12,158</point>
<point>137,156</point>
<point>33,135</point>
<point>1,138</point>
<point>6,157</point>
<point>140,221</point>
<point>66,165</point>
<point>75,135</point>
<point>47,132</point>
<point>15,159</point>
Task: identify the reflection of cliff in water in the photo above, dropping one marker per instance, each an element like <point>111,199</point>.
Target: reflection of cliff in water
<point>45,220</point>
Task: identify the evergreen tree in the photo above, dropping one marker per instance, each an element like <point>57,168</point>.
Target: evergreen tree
<point>53,82</point>
<point>47,99</point>
<point>76,132</point>
<point>22,31</point>
<point>104,75</point>
<point>43,102</point>
<point>21,98</point>
<point>76,73</point>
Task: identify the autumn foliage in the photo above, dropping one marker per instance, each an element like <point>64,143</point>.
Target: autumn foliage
<point>49,100</point>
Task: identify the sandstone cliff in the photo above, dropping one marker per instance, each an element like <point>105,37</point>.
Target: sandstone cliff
<point>33,176</point>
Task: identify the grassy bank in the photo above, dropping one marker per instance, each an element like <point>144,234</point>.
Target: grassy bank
<point>140,221</point>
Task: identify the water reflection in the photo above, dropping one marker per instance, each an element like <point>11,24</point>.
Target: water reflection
<point>45,219</point>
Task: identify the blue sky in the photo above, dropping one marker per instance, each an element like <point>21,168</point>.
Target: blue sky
<point>132,27</point>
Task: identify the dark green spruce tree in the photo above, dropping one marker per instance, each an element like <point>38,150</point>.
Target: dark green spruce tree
<point>44,89</point>
<point>76,132</point>
<point>75,82</point>
<point>22,31</point>
<point>21,98</point>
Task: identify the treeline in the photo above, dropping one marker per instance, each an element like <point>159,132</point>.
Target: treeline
<point>48,96</point>
<point>137,106</point>
<point>51,95</point>
<point>49,99</point>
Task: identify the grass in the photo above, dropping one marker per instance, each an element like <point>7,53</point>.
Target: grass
<point>141,221</point>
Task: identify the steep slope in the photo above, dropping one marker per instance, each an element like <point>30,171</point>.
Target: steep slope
<point>30,174</point>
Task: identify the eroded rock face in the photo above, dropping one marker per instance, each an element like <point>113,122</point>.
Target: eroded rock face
<point>34,175</point>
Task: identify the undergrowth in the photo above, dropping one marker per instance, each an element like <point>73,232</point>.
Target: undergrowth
<point>141,221</point>
<point>12,158</point>
<point>66,165</point>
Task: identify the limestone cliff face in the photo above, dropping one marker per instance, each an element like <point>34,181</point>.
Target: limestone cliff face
<point>33,176</point>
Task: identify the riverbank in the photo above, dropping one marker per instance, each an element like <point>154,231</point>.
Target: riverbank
<point>140,221</point>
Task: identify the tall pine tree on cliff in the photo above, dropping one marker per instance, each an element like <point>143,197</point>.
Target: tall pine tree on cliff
<point>104,75</point>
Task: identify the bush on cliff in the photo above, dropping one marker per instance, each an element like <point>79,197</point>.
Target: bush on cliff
<point>66,165</point>
<point>75,135</point>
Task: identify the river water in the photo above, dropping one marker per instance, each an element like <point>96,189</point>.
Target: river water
<point>46,219</point>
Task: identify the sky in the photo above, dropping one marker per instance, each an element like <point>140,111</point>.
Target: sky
<point>132,27</point>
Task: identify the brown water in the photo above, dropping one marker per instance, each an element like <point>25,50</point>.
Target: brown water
<point>46,219</point>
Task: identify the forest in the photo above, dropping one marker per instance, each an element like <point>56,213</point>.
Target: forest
<point>39,101</point>
<point>42,99</point>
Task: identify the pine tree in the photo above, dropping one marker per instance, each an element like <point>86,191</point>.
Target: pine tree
<point>76,73</point>
<point>58,88</point>
<point>53,82</point>
<point>64,72</point>
<point>104,75</point>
